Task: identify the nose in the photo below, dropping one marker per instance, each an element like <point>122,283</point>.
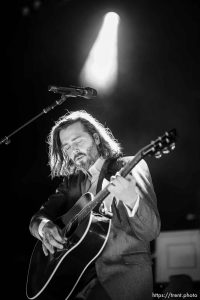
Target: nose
<point>74,151</point>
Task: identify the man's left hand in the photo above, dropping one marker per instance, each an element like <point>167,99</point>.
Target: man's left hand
<point>124,189</point>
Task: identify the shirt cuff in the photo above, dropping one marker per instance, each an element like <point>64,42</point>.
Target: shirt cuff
<point>41,225</point>
<point>131,212</point>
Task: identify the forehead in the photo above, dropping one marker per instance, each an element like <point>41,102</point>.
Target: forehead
<point>72,131</point>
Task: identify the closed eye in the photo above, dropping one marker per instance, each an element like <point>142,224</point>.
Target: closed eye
<point>65,147</point>
<point>76,142</point>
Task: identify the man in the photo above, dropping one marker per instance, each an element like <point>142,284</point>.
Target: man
<point>86,155</point>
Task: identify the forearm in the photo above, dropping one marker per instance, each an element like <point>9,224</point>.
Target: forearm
<point>35,224</point>
<point>145,220</point>
<point>50,210</point>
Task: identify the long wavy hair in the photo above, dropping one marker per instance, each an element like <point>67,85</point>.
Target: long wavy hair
<point>59,162</point>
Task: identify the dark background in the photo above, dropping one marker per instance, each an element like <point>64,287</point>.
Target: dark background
<point>158,89</point>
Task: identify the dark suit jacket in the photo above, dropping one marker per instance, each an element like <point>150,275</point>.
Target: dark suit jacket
<point>124,266</point>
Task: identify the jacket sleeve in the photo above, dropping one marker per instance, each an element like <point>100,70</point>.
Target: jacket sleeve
<point>145,224</point>
<point>51,209</point>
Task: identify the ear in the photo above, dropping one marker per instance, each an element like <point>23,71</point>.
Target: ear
<point>96,138</point>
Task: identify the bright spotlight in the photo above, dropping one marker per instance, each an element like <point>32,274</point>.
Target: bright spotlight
<point>101,67</point>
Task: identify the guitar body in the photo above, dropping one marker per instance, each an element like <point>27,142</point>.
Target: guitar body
<point>83,247</point>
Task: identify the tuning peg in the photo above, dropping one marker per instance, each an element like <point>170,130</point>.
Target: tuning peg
<point>167,140</point>
<point>158,154</point>
<point>172,146</point>
<point>165,150</point>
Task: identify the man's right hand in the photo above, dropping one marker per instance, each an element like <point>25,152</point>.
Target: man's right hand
<point>52,238</point>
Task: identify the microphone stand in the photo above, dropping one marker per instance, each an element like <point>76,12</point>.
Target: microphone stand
<point>6,140</point>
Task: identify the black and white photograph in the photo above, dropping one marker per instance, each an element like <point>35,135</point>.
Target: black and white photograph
<point>100,149</point>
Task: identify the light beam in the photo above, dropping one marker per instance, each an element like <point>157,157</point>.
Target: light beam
<point>101,67</point>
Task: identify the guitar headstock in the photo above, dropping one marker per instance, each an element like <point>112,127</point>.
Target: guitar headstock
<point>162,145</point>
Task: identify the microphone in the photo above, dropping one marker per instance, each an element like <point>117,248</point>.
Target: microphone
<point>86,92</point>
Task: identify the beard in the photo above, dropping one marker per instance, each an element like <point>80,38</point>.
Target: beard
<point>83,161</point>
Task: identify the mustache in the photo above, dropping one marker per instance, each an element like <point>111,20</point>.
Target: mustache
<point>78,154</point>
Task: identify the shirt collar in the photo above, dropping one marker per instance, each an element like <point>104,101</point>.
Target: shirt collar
<point>95,169</point>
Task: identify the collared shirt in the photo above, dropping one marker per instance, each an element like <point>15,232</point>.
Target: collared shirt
<point>93,174</point>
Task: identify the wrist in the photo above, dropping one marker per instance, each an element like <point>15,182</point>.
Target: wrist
<point>41,226</point>
<point>132,210</point>
<point>131,202</point>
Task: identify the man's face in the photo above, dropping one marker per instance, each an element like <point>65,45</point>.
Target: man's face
<point>79,145</point>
